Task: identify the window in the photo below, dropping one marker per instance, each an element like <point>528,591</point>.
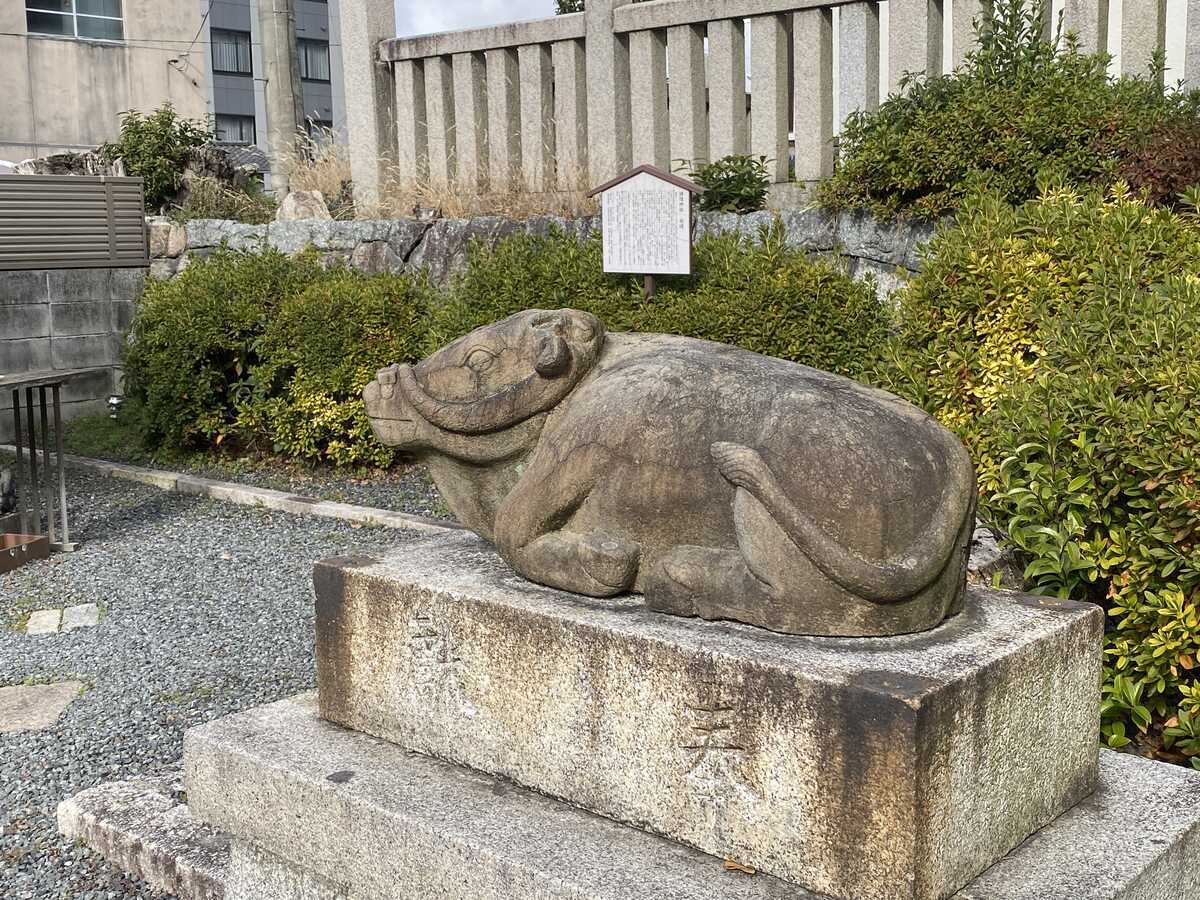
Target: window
<point>235,129</point>
<point>98,20</point>
<point>231,52</point>
<point>314,59</point>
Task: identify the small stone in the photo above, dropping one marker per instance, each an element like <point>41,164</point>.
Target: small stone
<point>44,621</point>
<point>35,707</point>
<point>302,205</point>
<point>86,615</point>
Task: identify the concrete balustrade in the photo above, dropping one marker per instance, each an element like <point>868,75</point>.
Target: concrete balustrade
<point>570,101</point>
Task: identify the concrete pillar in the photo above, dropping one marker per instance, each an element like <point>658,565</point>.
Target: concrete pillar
<point>1089,20</point>
<point>285,99</point>
<point>648,98</point>
<point>570,114</point>
<point>470,118</point>
<point>688,94</point>
<point>412,139</point>
<point>609,133</point>
<point>770,111</point>
<point>1191,59</point>
<point>370,100</point>
<point>1143,31</point>
<point>812,34</point>
<point>537,117</point>
<point>726,88</point>
<point>439,120</point>
<point>914,39</point>
<point>336,73</point>
<point>858,42</point>
<point>963,16</point>
<point>504,118</point>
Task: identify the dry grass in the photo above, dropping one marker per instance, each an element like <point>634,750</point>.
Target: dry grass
<point>320,163</point>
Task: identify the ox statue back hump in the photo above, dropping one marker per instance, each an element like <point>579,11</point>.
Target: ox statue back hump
<point>717,482</point>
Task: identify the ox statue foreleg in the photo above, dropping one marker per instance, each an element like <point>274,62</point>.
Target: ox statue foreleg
<point>531,536</point>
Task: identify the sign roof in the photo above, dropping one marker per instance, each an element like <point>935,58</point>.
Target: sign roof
<point>656,172</point>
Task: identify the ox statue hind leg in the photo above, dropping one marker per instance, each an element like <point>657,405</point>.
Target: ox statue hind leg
<point>531,537</point>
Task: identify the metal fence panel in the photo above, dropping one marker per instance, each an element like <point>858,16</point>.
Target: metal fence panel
<point>72,222</point>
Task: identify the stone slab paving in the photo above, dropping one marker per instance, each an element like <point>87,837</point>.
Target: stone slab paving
<point>207,610</point>
<point>85,615</point>
<point>44,621</point>
<point>34,707</point>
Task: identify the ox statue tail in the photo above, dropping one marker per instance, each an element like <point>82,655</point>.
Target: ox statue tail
<point>881,581</point>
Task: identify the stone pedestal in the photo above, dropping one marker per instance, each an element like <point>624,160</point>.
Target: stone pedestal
<point>873,769</point>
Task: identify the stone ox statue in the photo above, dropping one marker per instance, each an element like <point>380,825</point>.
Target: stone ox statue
<point>717,482</point>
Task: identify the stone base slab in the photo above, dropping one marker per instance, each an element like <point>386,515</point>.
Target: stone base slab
<point>873,769</point>
<point>321,813</point>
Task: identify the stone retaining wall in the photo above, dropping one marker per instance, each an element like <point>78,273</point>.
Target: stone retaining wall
<point>890,251</point>
<point>66,319</point>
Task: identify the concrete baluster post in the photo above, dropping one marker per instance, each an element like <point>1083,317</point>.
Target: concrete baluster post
<point>770,112</point>
<point>570,113</point>
<point>812,33</point>
<point>470,118</point>
<point>609,131</point>
<point>412,140</point>
<point>914,39</point>
<point>439,122</point>
<point>1191,60</point>
<point>648,98</point>
<point>858,42</point>
<point>537,117</point>
<point>727,88</point>
<point>1143,31</point>
<point>688,95</point>
<point>504,118</point>
<point>1089,20</point>
<point>370,103</point>
<point>964,14</point>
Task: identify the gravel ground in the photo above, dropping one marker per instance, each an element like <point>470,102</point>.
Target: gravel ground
<point>206,610</point>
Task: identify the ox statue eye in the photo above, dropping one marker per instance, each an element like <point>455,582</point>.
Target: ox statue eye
<point>480,359</point>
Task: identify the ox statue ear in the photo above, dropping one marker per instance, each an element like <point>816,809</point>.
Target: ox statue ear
<point>553,355</point>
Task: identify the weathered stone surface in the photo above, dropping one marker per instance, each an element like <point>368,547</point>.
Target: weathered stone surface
<point>290,237</point>
<point>443,250</point>
<point>1136,838</point>
<point>35,707</point>
<point>374,257</point>
<point>988,560</point>
<point>302,205</point>
<point>718,482</point>
<point>44,621</point>
<point>873,768</point>
<point>143,827</point>
<point>85,615</point>
<point>266,774</point>
<point>382,823</point>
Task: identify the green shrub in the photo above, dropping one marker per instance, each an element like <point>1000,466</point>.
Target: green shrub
<point>1058,339</point>
<point>195,339</point>
<point>318,352</point>
<point>156,148</point>
<point>208,198</point>
<point>1018,110</point>
<point>733,184</point>
<point>760,295</point>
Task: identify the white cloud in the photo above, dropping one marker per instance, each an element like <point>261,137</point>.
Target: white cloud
<point>427,16</point>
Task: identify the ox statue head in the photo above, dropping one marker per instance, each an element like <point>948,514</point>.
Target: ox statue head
<point>493,379</point>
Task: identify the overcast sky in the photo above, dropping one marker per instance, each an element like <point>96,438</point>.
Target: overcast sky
<point>424,16</point>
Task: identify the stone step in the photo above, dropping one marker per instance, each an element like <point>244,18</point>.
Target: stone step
<point>873,769</point>
<point>316,811</point>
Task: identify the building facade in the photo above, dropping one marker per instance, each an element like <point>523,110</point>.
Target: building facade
<point>71,67</point>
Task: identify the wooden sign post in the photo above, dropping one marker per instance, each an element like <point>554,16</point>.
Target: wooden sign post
<point>646,217</point>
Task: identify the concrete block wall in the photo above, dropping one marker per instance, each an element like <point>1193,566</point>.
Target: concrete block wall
<point>66,319</point>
